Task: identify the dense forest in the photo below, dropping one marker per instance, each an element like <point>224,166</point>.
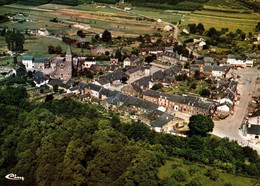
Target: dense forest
<point>67,142</point>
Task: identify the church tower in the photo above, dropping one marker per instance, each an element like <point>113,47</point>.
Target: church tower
<point>68,55</point>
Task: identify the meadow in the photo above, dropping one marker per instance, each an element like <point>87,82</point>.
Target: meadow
<point>195,171</point>
<point>224,14</point>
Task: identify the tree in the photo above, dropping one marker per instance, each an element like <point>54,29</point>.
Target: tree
<point>14,40</point>
<point>200,125</point>
<point>243,36</point>
<point>180,175</point>
<point>81,34</point>
<point>193,86</point>
<point>257,28</point>
<point>58,50</point>
<point>55,88</point>
<point>124,79</point>
<point>192,28</point>
<point>149,59</point>
<point>29,74</point>
<point>212,174</point>
<point>106,36</point>
<point>204,92</point>
<point>51,49</point>
<point>212,32</point>
<point>157,86</point>
<point>49,97</point>
<point>200,28</point>
<point>118,55</point>
<point>197,74</point>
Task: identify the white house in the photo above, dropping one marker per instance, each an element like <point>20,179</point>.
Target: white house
<point>185,31</point>
<point>223,108</point>
<point>103,83</point>
<point>88,62</point>
<point>249,62</point>
<point>167,28</point>
<point>236,61</point>
<point>224,100</point>
<point>218,71</point>
<point>127,62</point>
<point>43,32</point>
<point>147,71</point>
<point>127,8</point>
<point>28,62</point>
<point>94,90</point>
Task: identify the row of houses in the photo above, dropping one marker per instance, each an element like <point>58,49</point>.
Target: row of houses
<point>238,61</point>
<point>186,103</point>
<point>148,112</point>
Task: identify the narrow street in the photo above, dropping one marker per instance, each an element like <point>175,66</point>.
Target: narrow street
<point>230,126</point>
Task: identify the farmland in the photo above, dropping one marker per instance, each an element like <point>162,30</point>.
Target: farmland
<point>137,21</point>
<point>224,14</point>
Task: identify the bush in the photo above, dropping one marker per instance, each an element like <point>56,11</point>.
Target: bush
<point>212,174</point>
<point>180,175</point>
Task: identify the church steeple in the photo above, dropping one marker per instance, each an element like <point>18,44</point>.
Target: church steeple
<point>68,54</point>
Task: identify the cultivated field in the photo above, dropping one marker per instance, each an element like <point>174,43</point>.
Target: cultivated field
<point>224,14</point>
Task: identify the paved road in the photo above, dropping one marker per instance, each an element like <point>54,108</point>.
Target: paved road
<point>230,126</point>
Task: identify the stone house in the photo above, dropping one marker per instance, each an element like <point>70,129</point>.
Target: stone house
<point>134,72</point>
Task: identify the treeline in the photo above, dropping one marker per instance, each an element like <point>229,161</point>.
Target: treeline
<point>66,142</point>
<point>251,5</point>
<point>168,4</point>
<point>39,2</point>
<point>4,2</point>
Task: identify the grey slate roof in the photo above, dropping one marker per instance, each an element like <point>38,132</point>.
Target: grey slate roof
<point>254,129</point>
<point>162,120</point>
<point>168,72</point>
<point>218,68</point>
<point>194,67</point>
<point>208,59</point>
<point>53,82</point>
<point>143,81</point>
<point>114,76</point>
<point>40,60</point>
<point>94,87</point>
<point>152,93</point>
<point>158,75</point>
<point>207,68</point>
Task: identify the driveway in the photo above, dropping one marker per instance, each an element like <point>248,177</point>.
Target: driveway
<point>230,126</point>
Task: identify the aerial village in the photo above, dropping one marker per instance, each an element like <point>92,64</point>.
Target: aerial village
<point>134,88</point>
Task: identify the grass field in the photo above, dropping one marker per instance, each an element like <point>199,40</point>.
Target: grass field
<point>184,87</point>
<point>224,14</point>
<point>166,172</point>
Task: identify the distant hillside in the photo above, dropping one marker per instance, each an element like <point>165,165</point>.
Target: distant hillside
<point>39,2</point>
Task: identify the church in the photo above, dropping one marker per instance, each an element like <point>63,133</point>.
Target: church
<point>64,67</point>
